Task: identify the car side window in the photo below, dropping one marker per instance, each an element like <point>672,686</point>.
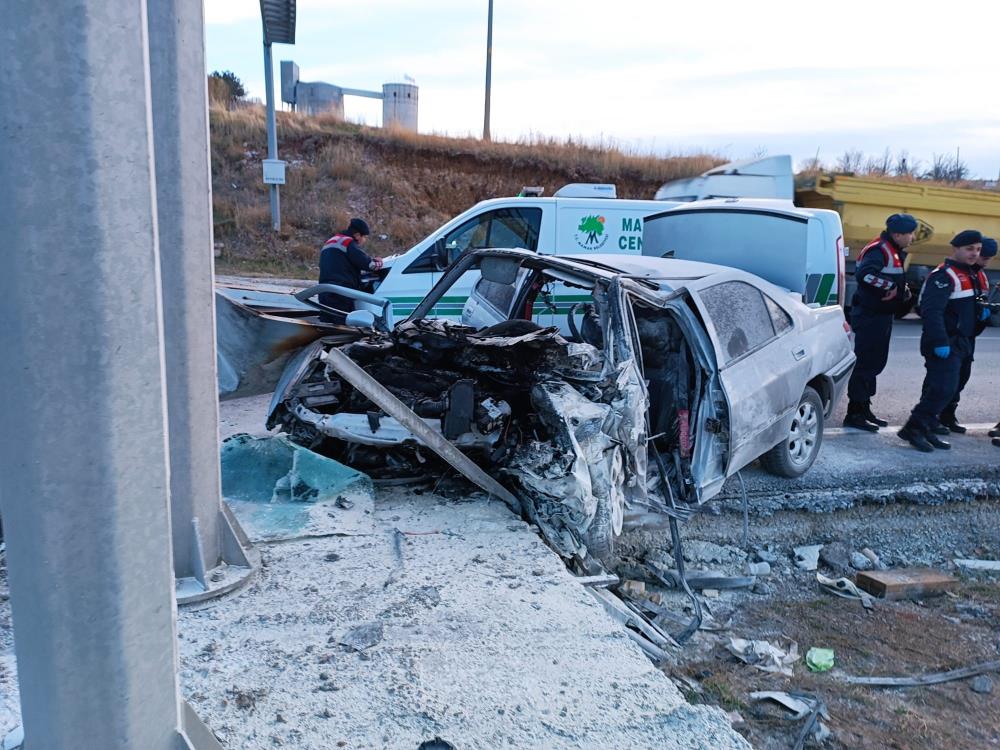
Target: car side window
<point>781,320</point>
<point>740,316</point>
<point>504,227</point>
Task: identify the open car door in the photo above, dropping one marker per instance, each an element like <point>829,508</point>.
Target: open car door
<point>763,367</point>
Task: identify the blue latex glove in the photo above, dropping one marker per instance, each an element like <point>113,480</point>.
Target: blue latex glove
<point>984,315</point>
<point>942,352</point>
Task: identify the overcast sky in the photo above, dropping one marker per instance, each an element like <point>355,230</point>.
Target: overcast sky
<point>735,78</point>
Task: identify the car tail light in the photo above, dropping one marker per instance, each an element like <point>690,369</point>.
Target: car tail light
<point>684,431</point>
<point>847,328</point>
<point>841,281</point>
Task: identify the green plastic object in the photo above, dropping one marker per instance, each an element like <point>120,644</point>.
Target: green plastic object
<point>819,659</point>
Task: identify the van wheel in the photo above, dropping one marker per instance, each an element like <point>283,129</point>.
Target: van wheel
<point>793,456</point>
<point>600,535</point>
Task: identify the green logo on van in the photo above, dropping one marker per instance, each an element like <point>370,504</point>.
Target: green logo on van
<point>590,233</point>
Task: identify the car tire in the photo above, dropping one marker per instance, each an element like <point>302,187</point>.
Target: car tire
<point>793,456</point>
<point>600,535</point>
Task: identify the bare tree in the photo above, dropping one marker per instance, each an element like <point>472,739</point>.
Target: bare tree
<point>851,161</point>
<point>947,168</point>
<point>880,166</point>
<point>811,165</point>
<point>906,167</point>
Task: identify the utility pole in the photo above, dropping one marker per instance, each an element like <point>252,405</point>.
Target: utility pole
<point>278,20</point>
<point>489,70</point>
<point>272,141</point>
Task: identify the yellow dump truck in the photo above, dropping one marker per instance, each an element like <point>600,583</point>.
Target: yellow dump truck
<point>942,212</point>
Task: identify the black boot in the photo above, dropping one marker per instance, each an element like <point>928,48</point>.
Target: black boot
<point>949,421</point>
<point>866,412</point>
<point>940,429</point>
<point>995,432</point>
<point>855,417</point>
<point>996,442</point>
<point>912,433</point>
<point>937,442</point>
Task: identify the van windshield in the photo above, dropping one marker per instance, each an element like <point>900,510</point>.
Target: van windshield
<point>503,227</point>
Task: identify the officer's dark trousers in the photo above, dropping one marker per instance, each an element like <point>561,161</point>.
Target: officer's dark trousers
<point>963,378</point>
<point>940,383</point>
<point>872,332</point>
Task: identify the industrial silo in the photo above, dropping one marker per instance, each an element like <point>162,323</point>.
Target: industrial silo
<point>399,106</point>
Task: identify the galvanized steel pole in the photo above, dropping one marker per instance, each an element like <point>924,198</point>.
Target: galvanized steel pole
<point>208,557</point>
<point>272,134</point>
<point>489,70</point>
<point>84,483</point>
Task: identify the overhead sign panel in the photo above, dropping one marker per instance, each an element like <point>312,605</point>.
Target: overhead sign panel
<point>279,21</point>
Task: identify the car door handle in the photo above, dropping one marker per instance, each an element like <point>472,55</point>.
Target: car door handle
<point>798,353</point>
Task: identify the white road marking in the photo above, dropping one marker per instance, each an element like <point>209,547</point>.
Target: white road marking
<point>979,427</point>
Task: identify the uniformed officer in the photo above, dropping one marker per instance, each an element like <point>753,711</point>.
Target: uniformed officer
<point>341,262</point>
<point>981,287</point>
<point>988,253</point>
<point>950,313</point>
<point>882,292</point>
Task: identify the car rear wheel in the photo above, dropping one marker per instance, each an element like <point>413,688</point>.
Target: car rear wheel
<point>793,456</point>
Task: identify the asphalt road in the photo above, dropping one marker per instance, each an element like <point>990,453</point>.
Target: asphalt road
<point>899,385</point>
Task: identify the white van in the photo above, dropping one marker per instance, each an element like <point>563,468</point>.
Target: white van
<point>578,219</point>
<point>801,249</point>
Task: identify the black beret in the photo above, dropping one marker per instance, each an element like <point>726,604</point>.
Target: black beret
<point>901,224</point>
<point>967,237</point>
<point>358,226</point>
<point>989,247</point>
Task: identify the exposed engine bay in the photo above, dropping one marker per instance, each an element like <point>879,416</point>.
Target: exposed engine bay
<point>565,423</point>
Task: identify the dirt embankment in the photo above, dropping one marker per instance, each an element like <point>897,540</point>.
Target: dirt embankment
<point>404,184</point>
<point>895,638</point>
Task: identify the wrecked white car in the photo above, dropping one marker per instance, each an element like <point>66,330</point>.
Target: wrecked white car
<point>676,375</point>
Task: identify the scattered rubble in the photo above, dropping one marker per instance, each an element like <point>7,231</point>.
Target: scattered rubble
<point>981,684</point>
<point>807,557</point>
<point>978,566</point>
<point>764,655</point>
<point>802,706</point>
<point>926,679</point>
<point>905,583</point>
<point>860,561</point>
<point>844,588</point>
<point>362,637</point>
<point>837,557</point>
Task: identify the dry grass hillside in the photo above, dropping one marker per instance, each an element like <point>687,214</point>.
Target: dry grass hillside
<point>405,185</point>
